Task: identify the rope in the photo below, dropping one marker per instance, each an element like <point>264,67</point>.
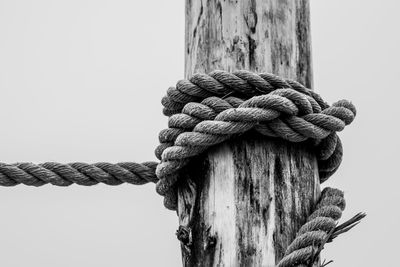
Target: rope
<point>207,110</point>
<point>318,229</point>
<point>241,83</point>
<point>262,102</point>
<point>77,173</point>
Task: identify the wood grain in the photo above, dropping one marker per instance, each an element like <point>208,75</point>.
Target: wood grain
<point>244,201</point>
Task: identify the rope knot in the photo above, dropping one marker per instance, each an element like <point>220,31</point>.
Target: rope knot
<point>209,109</point>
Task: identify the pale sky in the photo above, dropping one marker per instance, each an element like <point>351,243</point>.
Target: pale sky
<point>82,80</point>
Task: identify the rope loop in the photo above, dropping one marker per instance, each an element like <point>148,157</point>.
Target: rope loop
<point>209,109</point>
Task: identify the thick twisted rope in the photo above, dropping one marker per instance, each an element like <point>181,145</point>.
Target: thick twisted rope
<point>204,111</point>
<point>273,107</point>
<point>77,173</point>
<point>318,229</point>
<point>209,109</point>
<point>293,113</point>
<point>241,83</point>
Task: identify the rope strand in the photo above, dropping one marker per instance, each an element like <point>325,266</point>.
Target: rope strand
<point>77,173</point>
<point>313,235</point>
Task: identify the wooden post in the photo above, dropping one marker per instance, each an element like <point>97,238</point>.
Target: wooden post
<point>246,199</point>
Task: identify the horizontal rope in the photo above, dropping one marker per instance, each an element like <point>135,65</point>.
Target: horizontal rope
<point>77,173</point>
<point>242,83</point>
<point>274,107</point>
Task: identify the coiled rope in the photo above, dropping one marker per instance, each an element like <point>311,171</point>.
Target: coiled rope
<point>209,109</point>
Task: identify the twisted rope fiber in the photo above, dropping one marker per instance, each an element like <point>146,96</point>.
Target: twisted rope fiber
<point>207,110</point>
<point>285,109</point>
<point>295,114</point>
<point>312,236</point>
<point>241,83</point>
<point>77,173</point>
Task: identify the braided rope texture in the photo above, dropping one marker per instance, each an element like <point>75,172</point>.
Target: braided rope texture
<point>211,108</point>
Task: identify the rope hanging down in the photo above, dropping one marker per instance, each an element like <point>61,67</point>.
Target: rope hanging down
<point>209,109</point>
<point>317,231</point>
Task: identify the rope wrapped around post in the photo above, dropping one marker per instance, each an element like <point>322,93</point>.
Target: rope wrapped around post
<point>209,109</point>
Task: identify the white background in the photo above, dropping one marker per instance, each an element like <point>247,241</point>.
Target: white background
<point>82,81</point>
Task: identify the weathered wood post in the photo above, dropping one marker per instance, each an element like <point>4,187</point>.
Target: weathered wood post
<point>247,198</point>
